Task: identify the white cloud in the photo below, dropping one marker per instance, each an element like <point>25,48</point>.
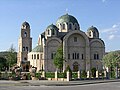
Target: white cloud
<point>111,37</point>
<point>112,32</point>
<point>114,29</point>
<point>114,26</point>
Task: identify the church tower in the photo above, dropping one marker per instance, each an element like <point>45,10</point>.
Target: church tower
<point>24,44</point>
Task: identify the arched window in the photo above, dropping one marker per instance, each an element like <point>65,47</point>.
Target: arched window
<point>32,56</point>
<point>82,56</point>
<point>68,56</point>
<point>37,56</point>
<point>75,39</point>
<point>25,34</point>
<point>52,55</point>
<point>94,33</point>
<point>48,32</point>
<point>26,48</point>
<point>75,27</point>
<point>75,55</point>
<point>75,66</point>
<point>23,48</point>
<point>53,32</point>
<point>63,26</point>
<point>96,56</point>
<point>70,26</point>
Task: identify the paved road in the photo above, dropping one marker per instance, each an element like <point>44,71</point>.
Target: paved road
<point>98,86</point>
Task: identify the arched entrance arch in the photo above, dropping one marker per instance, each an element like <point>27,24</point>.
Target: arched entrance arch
<point>75,66</point>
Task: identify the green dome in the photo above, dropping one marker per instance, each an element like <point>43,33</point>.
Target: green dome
<point>67,18</point>
<point>38,48</point>
<point>92,28</point>
<point>94,31</point>
<point>51,27</point>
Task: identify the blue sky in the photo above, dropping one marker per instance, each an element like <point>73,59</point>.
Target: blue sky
<point>103,14</point>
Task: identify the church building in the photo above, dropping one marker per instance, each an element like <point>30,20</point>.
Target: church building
<point>81,50</point>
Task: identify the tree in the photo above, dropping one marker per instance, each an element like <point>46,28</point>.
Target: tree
<point>58,58</point>
<point>11,56</point>
<point>68,69</point>
<point>2,64</point>
<point>112,59</point>
<point>93,70</point>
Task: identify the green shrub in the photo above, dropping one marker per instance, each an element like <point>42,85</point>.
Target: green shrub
<point>93,70</point>
<point>74,75</point>
<point>112,74</point>
<point>13,75</point>
<point>67,69</point>
<point>50,75</point>
<point>28,76</point>
<point>84,74</point>
<point>61,75</point>
<point>38,75</point>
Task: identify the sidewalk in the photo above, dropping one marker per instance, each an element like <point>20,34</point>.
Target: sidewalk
<point>52,83</point>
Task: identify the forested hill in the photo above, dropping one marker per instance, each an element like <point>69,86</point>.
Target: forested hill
<point>5,53</point>
<point>113,51</point>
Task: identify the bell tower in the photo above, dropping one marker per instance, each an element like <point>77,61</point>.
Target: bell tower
<point>24,44</point>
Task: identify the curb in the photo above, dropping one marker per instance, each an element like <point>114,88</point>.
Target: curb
<point>70,83</point>
<point>45,83</point>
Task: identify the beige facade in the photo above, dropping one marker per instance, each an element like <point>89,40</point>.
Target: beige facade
<point>82,51</point>
<point>24,44</point>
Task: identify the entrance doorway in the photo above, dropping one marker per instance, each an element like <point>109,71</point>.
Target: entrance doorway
<point>75,66</point>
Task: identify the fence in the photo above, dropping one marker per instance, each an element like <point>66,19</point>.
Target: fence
<point>56,75</point>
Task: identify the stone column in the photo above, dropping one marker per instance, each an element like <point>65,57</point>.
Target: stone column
<point>43,73</point>
<point>88,74</point>
<point>97,74</point>
<point>56,75</point>
<point>79,74</point>
<point>68,76</point>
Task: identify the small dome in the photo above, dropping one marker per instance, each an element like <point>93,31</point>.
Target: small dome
<point>52,30</point>
<point>38,48</point>
<point>25,24</point>
<point>52,27</point>
<point>92,32</point>
<point>66,18</point>
<point>92,28</point>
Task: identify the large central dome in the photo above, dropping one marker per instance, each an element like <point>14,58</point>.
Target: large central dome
<point>66,18</point>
